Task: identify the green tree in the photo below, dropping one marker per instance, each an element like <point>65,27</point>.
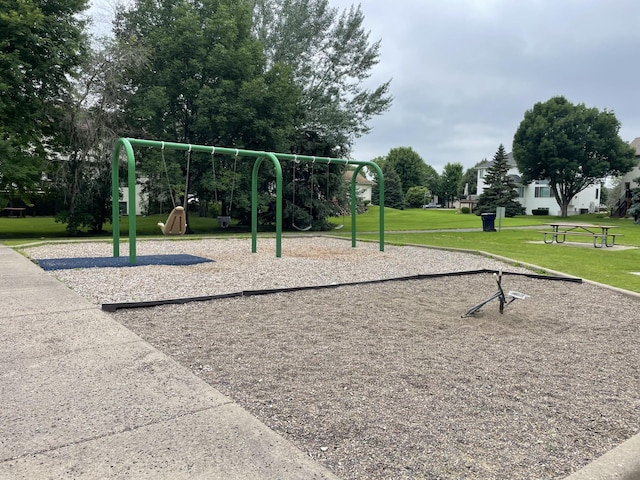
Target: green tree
<point>417,196</point>
<point>604,194</point>
<point>393,191</point>
<point>634,210</point>
<point>451,182</point>
<point>571,146</point>
<point>470,178</point>
<point>41,44</point>
<point>331,56</point>
<point>434,181</point>
<point>207,82</point>
<point>80,170</point>
<point>500,190</point>
<point>409,166</point>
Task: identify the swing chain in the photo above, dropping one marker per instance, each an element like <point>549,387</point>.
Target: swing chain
<point>213,167</point>
<point>166,172</point>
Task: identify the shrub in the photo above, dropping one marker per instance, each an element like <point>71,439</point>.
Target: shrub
<point>465,210</point>
<point>540,211</point>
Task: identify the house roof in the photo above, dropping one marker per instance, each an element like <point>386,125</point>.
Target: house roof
<point>510,161</point>
<point>360,179</point>
<point>517,179</point>
<point>636,144</point>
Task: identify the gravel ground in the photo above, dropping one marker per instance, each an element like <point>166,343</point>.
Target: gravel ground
<point>387,381</point>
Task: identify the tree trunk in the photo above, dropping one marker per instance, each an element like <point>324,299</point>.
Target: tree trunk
<point>562,201</point>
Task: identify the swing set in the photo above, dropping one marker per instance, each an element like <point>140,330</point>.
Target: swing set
<point>295,206</point>
<point>177,221</point>
<point>125,147</point>
<point>224,220</point>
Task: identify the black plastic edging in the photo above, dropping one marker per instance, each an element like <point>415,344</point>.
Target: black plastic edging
<point>112,307</point>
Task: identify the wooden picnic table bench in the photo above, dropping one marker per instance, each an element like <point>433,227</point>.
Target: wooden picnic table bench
<point>600,233</point>
<point>15,211</point>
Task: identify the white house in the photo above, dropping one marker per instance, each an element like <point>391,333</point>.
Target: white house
<point>142,200</point>
<point>538,193</point>
<point>629,179</point>
<point>364,187</point>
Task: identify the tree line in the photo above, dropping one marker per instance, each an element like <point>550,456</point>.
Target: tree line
<point>410,182</point>
<point>570,146</point>
<point>268,75</point>
<point>272,75</point>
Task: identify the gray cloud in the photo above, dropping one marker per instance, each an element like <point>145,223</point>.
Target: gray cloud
<point>465,71</point>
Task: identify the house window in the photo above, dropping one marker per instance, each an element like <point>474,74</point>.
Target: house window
<point>543,192</point>
<point>597,192</point>
<point>520,191</point>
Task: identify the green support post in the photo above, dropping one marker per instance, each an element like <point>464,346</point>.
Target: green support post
<point>129,143</point>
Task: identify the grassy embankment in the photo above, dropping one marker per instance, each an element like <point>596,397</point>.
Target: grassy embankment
<point>423,227</point>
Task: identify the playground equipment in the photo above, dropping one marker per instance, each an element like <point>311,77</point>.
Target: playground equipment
<point>510,297</point>
<point>177,221</point>
<point>127,145</point>
<point>341,214</point>
<point>224,220</point>
<point>293,199</point>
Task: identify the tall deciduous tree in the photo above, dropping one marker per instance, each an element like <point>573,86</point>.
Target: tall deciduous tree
<point>80,171</point>
<point>500,190</point>
<point>451,181</point>
<point>571,146</point>
<point>41,44</point>
<point>207,82</point>
<point>331,57</point>
<point>409,166</point>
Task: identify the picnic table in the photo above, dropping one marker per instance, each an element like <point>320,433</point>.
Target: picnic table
<point>15,212</point>
<point>600,233</point>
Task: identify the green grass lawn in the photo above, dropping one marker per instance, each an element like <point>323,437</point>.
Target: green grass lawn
<point>407,227</point>
<point>14,231</point>
<point>522,245</point>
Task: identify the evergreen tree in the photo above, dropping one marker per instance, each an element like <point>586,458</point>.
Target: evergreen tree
<point>393,191</point>
<point>501,190</point>
<point>634,210</point>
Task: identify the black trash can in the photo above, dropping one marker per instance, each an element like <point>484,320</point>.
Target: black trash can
<point>488,222</point>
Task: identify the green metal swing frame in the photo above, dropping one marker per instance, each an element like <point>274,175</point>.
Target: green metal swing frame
<point>127,145</point>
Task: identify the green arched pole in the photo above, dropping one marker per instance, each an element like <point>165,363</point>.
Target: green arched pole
<point>354,201</point>
<point>129,143</point>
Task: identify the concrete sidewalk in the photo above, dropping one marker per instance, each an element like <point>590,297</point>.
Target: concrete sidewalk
<point>83,397</point>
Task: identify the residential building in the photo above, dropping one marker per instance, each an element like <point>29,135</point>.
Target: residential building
<point>632,177</point>
<point>628,182</point>
<point>364,187</point>
<point>538,194</point>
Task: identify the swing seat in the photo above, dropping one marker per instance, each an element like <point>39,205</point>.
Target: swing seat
<point>176,222</point>
<point>224,221</point>
<point>302,229</point>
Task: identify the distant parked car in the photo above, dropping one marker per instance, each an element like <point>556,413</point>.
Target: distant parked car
<point>431,205</point>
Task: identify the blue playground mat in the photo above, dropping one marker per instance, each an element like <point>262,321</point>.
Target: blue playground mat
<point>102,262</point>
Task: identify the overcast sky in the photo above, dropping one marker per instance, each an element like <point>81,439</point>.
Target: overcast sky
<point>465,71</point>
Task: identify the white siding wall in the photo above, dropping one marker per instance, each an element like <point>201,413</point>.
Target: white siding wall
<point>141,200</point>
<point>587,199</point>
